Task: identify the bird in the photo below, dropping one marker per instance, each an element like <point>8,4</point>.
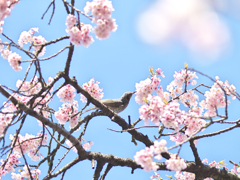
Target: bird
<point>116,105</point>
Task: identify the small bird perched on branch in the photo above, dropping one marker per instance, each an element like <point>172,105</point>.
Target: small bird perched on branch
<point>116,105</point>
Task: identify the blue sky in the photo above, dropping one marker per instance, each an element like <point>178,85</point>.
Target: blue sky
<point>118,63</point>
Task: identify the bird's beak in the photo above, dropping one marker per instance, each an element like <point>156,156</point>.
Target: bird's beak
<point>134,92</point>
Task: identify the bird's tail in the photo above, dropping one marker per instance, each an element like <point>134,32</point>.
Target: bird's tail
<point>92,108</point>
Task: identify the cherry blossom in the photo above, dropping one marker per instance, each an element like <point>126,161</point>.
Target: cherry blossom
<point>215,97</point>
<point>184,176</point>
<point>14,60</point>
<point>78,35</point>
<point>104,28</point>
<point>87,145</point>
<point>29,144</point>
<point>159,147</point>
<point>25,37</point>
<point>68,112</point>
<point>101,12</point>
<point>67,93</point>
<point>175,163</point>
<point>144,158</point>
<point>93,89</point>
<point>5,53</point>
<point>25,174</point>
<point>101,9</point>
<point>5,120</point>
<point>178,138</point>
<point>37,41</point>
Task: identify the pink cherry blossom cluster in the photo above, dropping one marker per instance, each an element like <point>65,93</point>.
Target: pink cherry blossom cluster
<point>215,98</point>
<point>160,72</point>
<point>12,161</point>
<point>187,176</point>
<point>78,35</point>
<point>181,77</point>
<point>221,164</point>
<point>14,59</point>
<point>175,163</point>
<point>36,41</point>
<point>29,144</point>
<point>145,156</point>
<point>5,8</point>
<point>184,176</point>
<point>102,12</point>
<point>26,36</point>
<point>25,174</point>
<point>68,112</point>
<point>157,111</point>
<point>93,89</point>
<point>67,93</point>
<point>86,146</point>
<point>5,120</point>
<point>143,89</point>
<point>146,88</point>
<point>178,138</point>
<point>189,99</point>
<point>165,96</point>
<point>29,87</point>
<point>193,122</point>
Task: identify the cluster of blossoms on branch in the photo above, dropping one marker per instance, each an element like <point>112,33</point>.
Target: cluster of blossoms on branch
<point>36,41</point>
<point>13,58</point>
<point>26,37</point>
<point>12,161</point>
<point>164,109</point>
<point>182,175</point>
<point>68,112</point>
<point>25,174</point>
<point>28,89</point>
<point>69,109</point>
<point>215,97</point>
<point>79,33</point>
<point>101,12</point>
<point>8,165</point>
<point>29,144</point>
<point>190,176</point>
<point>5,10</point>
<point>145,157</point>
<point>93,89</point>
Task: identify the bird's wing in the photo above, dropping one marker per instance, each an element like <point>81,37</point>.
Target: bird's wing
<point>107,102</point>
<point>112,102</point>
